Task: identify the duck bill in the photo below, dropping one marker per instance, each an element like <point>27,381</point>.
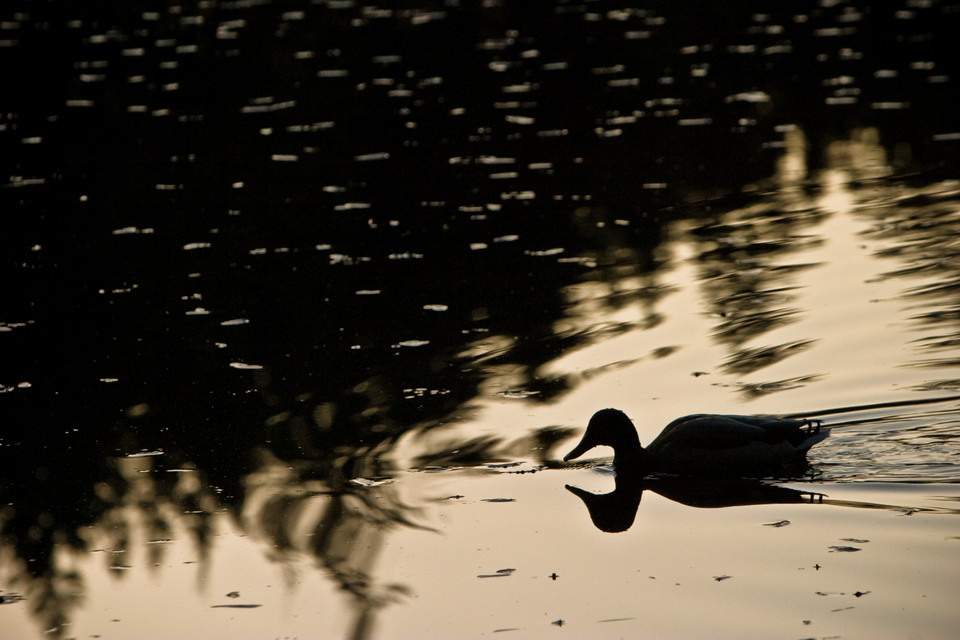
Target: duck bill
<point>578,451</point>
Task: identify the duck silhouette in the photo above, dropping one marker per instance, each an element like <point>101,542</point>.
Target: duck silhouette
<point>705,444</point>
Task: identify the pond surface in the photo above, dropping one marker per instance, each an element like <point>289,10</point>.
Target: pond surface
<point>306,300</point>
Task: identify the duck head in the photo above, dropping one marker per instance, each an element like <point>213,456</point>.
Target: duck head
<point>612,428</point>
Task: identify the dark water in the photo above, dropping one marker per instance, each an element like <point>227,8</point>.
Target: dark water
<point>249,231</point>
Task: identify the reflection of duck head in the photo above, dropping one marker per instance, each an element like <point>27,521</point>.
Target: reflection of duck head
<point>704,444</point>
<point>616,511</point>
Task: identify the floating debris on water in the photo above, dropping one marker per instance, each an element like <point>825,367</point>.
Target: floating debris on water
<point>145,454</point>
<point>234,322</point>
<point>519,393</point>
<point>244,365</point>
<point>779,523</point>
<point>412,343</point>
<point>370,482</point>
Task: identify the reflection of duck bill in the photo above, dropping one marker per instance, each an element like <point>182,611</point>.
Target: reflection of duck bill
<point>611,512</point>
<point>616,511</point>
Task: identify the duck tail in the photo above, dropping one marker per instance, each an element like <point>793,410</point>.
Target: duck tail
<point>813,437</point>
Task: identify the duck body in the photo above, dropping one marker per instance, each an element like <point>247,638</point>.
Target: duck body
<point>705,444</point>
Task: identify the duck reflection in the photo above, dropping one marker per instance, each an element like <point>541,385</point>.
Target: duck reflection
<point>615,512</point>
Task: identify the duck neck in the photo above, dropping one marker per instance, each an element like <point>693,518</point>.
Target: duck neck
<point>630,457</point>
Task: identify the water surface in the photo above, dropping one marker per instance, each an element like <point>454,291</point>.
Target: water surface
<point>306,301</point>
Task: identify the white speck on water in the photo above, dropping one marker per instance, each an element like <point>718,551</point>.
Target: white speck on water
<point>518,195</point>
<point>198,311</point>
<point>368,157</point>
<point>196,245</point>
<point>146,454</point>
<point>477,246</point>
<point>284,157</point>
<point>748,96</point>
<point>245,366</point>
<point>368,292</point>
<point>832,100</point>
<point>507,238</point>
<point>234,322</point>
<point>131,231</point>
<point>493,160</point>
<point>519,88</point>
<point>412,343</point>
<point>435,307</point>
<point>546,252</point>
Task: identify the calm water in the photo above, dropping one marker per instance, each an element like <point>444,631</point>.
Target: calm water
<point>305,301</point>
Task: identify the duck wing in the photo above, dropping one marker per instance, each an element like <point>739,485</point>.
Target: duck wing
<point>716,432</point>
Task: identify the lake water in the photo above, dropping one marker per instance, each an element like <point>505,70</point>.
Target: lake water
<point>306,300</point>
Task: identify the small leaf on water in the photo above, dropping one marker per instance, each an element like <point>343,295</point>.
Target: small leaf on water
<point>780,523</point>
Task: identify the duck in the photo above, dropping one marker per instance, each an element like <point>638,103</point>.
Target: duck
<point>705,444</point>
